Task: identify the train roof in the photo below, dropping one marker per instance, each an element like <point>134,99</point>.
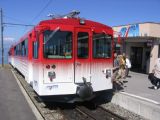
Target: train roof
<point>74,22</point>
<point>66,21</point>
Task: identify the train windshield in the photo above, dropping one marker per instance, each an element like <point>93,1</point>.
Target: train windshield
<point>102,45</point>
<point>58,44</point>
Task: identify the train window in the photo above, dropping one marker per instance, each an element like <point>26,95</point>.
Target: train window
<point>101,45</point>
<point>26,47</point>
<point>15,50</point>
<point>58,44</point>
<point>19,49</point>
<point>83,39</point>
<point>9,53</point>
<point>35,49</point>
<point>22,49</point>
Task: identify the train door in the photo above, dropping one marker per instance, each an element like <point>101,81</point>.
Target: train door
<point>82,55</point>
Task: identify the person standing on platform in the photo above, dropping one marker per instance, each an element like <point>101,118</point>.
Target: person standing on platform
<point>128,65</point>
<point>121,70</point>
<point>116,62</point>
<point>155,75</point>
<point>122,62</point>
<point>116,67</point>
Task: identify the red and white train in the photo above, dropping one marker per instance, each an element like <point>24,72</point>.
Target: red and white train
<point>66,58</point>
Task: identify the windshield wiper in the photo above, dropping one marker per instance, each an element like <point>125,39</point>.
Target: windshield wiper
<point>51,35</point>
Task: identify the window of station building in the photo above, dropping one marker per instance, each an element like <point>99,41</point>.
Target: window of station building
<point>35,50</point>
<point>102,45</point>
<point>117,48</point>
<point>83,46</point>
<point>58,44</point>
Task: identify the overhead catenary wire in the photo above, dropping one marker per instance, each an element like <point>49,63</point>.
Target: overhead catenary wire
<point>12,18</point>
<point>47,4</point>
<point>18,24</point>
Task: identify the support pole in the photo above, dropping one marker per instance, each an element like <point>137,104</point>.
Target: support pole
<point>1,13</point>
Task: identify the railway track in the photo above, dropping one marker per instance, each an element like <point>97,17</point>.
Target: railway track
<point>54,111</point>
<point>101,113</point>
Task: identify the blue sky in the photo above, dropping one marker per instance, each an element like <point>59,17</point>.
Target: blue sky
<point>112,13</point>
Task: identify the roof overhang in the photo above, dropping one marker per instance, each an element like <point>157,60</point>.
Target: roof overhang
<point>140,39</point>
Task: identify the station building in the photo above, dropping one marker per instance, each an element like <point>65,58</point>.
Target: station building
<point>141,42</point>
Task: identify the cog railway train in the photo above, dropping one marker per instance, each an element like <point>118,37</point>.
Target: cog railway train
<point>67,58</point>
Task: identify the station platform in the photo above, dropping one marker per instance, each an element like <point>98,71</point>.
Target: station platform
<point>138,97</point>
<point>13,105</point>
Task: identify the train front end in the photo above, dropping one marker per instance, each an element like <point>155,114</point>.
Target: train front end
<point>75,60</point>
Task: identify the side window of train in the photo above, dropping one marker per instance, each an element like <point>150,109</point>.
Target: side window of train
<point>83,39</point>
<point>35,50</point>
<point>26,47</point>
<point>23,48</point>
<point>15,52</point>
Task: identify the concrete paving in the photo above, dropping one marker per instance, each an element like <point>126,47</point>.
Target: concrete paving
<point>138,98</point>
<point>138,84</point>
<point>13,105</point>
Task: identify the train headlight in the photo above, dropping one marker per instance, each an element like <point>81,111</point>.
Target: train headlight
<point>108,73</point>
<point>82,22</point>
<point>51,75</point>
